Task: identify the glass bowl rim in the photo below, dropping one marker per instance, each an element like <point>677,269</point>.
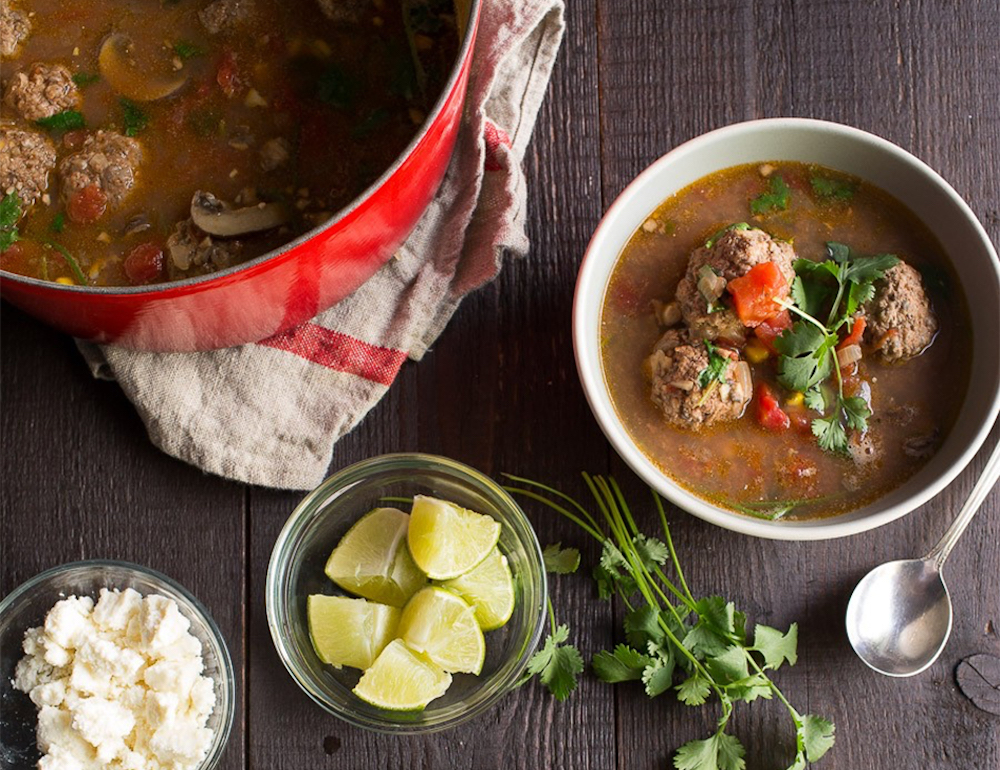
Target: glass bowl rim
<point>227,672</point>
<point>351,476</point>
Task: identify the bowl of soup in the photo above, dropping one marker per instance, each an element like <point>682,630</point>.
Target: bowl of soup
<point>190,176</point>
<point>789,328</point>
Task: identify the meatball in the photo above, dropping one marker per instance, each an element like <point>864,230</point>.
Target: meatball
<point>343,11</point>
<point>674,370</point>
<point>224,15</point>
<point>107,160</point>
<point>190,249</point>
<point>43,91</point>
<point>14,28</point>
<point>732,255</point>
<point>900,321</point>
<point>26,158</point>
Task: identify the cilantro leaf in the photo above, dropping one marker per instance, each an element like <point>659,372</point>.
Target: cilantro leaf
<point>557,664</point>
<point>856,412</point>
<point>642,626</point>
<point>58,222</point>
<point>694,690</point>
<point>805,356</point>
<point>862,268</point>
<point>815,399</point>
<point>623,665</point>
<point>729,666</point>
<point>723,230</point>
<point>775,646</point>
<point>187,50</point>
<point>84,79</point>
<point>830,189</point>
<point>559,560</point>
<point>704,641</point>
<point>776,199</point>
<point>10,214</point>
<point>750,689</point>
<point>134,119</point>
<point>658,674</point>
<point>720,752</point>
<point>830,433</point>
<point>68,120</point>
<point>817,736</point>
<point>716,369</point>
<point>651,552</point>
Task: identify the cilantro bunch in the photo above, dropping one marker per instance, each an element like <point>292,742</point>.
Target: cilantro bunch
<point>699,648</point>
<point>826,295</point>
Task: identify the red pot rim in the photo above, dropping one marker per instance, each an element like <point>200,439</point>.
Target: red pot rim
<point>464,53</point>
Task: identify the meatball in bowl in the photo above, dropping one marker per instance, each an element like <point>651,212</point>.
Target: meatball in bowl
<point>762,319</point>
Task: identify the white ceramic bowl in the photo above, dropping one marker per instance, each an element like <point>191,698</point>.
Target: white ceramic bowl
<point>852,151</point>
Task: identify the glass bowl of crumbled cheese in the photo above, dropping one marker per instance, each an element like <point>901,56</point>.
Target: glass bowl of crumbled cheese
<point>105,664</point>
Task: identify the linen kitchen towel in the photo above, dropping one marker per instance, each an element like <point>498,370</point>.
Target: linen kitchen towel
<point>269,413</point>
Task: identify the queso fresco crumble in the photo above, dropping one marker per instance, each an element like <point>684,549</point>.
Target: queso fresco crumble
<point>118,685</point>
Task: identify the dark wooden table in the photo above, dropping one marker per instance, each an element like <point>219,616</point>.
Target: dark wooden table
<point>500,392</point>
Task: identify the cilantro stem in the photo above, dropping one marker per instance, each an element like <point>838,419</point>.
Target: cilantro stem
<point>798,311</point>
<point>559,509</point>
<point>74,266</point>
<point>563,496</point>
<point>670,546</point>
<point>552,614</point>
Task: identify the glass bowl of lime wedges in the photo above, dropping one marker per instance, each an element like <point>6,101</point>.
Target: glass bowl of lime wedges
<point>406,593</point>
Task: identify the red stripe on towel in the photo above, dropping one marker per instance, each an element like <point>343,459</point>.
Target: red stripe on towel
<point>339,352</point>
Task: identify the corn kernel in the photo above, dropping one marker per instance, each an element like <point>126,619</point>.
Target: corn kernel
<point>756,354</point>
<point>65,281</point>
<point>796,399</point>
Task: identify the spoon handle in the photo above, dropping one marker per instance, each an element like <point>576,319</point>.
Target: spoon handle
<point>991,473</point>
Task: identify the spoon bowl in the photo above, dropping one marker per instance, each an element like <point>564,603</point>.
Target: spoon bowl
<point>899,617</point>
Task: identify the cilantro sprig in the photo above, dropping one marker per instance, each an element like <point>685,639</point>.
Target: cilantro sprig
<point>700,649</point>
<point>68,120</point>
<point>832,290</point>
<point>775,199</point>
<point>716,369</point>
<point>10,214</point>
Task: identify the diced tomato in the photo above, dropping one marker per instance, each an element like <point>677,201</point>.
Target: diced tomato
<point>856,335</point>
<point>88,205</point>
<point>228,75</point>
<point>769,412</point>
<point>769,330</point>
<point>73,140</point>
<point>144,264</point>
<point>753,294</point>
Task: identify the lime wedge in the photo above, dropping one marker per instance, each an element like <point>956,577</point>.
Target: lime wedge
<point>446,540</point>
<point>402,680</point>
<point>489,588</point>
<point>350,632</point>
<point>372,559</point>
<point>441,625</point>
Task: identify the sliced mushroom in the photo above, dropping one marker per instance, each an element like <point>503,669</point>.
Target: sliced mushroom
<point>218,218</point>
<point>128,78</point>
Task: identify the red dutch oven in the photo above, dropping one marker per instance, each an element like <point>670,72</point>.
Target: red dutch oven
<point>283,288</point>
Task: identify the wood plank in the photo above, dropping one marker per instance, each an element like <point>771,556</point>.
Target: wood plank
<point>499,392</point>
<point>82,481</point>
<point>922,76</point>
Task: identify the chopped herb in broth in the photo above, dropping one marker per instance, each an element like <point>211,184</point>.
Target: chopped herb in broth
<point>773,338</point>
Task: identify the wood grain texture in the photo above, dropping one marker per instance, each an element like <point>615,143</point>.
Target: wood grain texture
<point>80,480</point>
<point>499,391</point>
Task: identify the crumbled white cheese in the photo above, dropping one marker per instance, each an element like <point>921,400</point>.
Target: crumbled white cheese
<point>118,685</point>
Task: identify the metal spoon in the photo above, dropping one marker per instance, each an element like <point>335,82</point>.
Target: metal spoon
<point>899,616</point>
